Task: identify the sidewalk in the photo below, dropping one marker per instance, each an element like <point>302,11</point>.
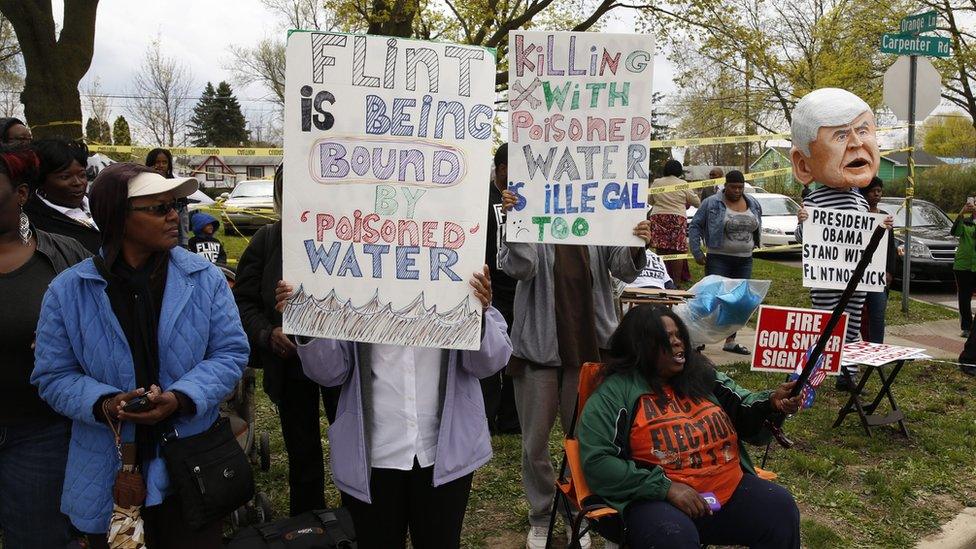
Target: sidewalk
<point>939,337</point>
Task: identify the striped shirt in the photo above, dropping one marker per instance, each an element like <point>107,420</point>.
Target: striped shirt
<point>827,197</point>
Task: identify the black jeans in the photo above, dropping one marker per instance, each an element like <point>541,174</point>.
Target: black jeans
<point>965,284</point>
<point>299,411</point>
<point>407,500</point>
<point>760,515</point>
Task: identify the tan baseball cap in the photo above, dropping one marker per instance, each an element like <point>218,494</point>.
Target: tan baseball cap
<point>150,183</point>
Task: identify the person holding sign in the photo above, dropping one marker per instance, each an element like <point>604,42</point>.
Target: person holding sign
<point>669,224</point>
<point>410,428</point>
<point>661,440</point>
<point>564,317</point>
<point>964,264</point>
<point>835,144</point>
<point>876,303</point>
<point>729,223</point>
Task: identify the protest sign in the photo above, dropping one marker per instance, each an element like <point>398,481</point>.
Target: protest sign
<point>833,242</point>
<point>785,334</point>
<point>878,354</point>
<point>579,130</point>
<point>387,155</point>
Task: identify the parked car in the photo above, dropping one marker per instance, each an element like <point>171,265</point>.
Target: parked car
<point>248,207</point>
<point>778,217</point>
<point>933,249</point>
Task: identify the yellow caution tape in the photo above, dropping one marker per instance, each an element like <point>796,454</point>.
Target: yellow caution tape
<point>768,249</point>
<point>731,139</point>
<point>720,180</point>
<point>57,123</point>
<point>187,151</point>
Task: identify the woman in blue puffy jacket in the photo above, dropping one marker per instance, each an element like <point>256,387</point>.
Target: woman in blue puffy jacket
<point>142,317</point>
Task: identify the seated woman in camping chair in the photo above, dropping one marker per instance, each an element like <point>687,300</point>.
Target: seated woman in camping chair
<point>661,442</point>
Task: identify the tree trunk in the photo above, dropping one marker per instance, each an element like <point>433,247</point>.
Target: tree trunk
<point>54,67</point>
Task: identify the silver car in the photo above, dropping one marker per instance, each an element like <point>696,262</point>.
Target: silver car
<point>248,207</point>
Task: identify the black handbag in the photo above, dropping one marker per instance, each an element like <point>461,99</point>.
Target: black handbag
<point>211,473</point>
<point>322,529</point>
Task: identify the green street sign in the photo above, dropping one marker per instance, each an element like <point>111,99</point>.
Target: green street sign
<point>923,22</point>
<point>900,44</point>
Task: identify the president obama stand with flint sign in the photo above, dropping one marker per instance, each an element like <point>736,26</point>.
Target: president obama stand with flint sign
<point>835,145</point>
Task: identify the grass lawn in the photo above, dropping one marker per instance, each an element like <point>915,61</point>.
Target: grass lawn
<point>853,490</point>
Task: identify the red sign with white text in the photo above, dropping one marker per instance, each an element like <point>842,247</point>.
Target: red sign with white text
<point>785,334</point>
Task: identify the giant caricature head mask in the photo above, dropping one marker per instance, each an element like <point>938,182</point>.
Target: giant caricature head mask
<point>834,140</point>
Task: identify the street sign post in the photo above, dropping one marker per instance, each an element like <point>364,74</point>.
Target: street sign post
<point>910,42</point>
<point>922,22</point>
<point>901,44</point>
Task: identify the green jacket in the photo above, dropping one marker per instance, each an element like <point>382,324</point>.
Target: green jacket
<point>604,436</point>
<point>966,250</point>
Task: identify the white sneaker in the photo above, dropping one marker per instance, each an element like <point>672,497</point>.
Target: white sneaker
<point>537,537</point>
<point>584,541</point>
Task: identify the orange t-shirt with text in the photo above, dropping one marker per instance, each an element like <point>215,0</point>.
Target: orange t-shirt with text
<point>692,439</point>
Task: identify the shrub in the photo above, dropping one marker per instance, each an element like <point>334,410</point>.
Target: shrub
<point>945,186</point>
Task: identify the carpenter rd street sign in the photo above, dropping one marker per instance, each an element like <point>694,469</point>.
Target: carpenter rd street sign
<point>923,22</point>
<point>932,46</point>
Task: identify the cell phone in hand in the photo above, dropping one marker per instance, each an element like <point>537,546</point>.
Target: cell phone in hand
<point>138,404</point>
<point>711,500</point>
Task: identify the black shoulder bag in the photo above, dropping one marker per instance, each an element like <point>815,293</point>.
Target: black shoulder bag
<point>210,472</point>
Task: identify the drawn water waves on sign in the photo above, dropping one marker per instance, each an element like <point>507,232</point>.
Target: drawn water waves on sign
<point>377,322</point>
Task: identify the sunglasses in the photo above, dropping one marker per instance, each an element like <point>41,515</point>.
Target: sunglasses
<point>161,209</point>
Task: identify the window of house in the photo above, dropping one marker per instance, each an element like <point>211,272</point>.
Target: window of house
<point>213,173</point>
<point>255,172</point>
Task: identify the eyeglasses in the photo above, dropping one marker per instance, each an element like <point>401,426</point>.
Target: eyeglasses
<point>160,210</point>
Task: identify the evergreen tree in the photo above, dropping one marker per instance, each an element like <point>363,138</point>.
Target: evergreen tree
<point>120,131</point>
<point>97,131</point>
<point>217,119</point>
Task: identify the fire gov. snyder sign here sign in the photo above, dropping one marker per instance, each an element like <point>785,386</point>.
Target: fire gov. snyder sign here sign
<point>387,150</point>
<point>784,334</point>
<point>833,242</point>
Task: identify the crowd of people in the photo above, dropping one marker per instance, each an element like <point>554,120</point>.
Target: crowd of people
<point>127,305</point>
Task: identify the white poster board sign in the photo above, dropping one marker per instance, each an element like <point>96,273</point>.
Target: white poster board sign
<point>387,156</point>
<point>879,354</point>
<point>579,130</point>
<point>833,242</point>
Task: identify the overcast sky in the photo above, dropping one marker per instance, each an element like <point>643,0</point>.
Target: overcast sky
<point>199,32</point>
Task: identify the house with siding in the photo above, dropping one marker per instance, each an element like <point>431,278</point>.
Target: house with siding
<point>226,171</point>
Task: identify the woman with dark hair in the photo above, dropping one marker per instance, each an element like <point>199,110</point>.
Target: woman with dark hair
<point>144,317</point>
<point>669,224</point>
<point>33,437</point>
<point>876,303</point>
<point>295,396</point>
<point>661,441</point>
<point>59,203</point>
<point>161,160</point>
<point>14,132</point>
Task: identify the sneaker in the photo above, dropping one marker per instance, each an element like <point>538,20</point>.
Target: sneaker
<point>584,541</point>
<point>537,537</point>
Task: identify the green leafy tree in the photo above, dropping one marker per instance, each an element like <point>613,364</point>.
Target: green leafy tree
<point>217,119</point>
<point>949,135</point>
<point>120,132</point>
